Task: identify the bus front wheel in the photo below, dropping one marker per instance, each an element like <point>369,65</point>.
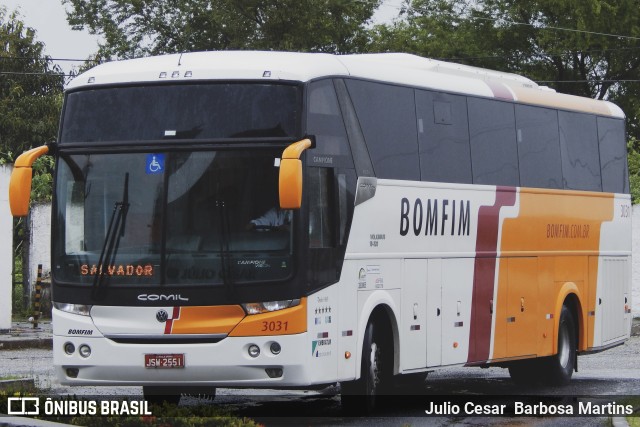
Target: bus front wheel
<point>360,396</point>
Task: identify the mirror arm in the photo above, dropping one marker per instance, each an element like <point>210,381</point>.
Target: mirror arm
<point>295,150</point>
<point>290,180</point>
<point>26,159</point>
<point>20,184</point>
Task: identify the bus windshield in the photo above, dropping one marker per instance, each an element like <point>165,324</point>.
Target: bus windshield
<point>191,218</point>
<point>186,111</point>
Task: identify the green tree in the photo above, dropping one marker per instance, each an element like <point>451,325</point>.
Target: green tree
<point>30,101</point>
<point>150,27</point>
<point>30,89</point>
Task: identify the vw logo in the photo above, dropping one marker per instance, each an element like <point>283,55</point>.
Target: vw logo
<point>162,316</point>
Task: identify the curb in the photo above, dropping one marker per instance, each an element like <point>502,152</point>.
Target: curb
<point>635,326</point>
<point>22,384</point>
<point>619,422</point>
<point>11,421</point>
<point>19,344</point>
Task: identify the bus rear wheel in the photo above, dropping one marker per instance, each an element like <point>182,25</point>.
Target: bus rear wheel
<point>559,368</point>
<point>360,396</point>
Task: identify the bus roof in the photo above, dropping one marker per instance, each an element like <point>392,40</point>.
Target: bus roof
<point>396,68</point>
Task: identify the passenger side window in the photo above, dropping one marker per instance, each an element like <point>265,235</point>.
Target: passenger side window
<point>538,147</point>
<point>324,121</point>
<point>321,208</point>
<point>494,155</point>
<point>443,137</point>
<point>579,151</point>
<point>387,117</point>
<point>613,155</point>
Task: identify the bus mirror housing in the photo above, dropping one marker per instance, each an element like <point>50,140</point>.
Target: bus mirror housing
<point>20,184</point>
<point>290,180</point>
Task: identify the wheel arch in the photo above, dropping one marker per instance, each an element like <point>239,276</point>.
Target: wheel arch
<point>382,309</point>
<point>570,296</point>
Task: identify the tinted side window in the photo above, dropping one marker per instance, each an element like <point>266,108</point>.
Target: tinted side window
<point>579,151</point>
<point>388,119</point>
<point>321,208</point>
<point>443,136</point>
<point>325,122</point>
<point>613,155</point>
<point>538,147</point>
<point>494,155</point>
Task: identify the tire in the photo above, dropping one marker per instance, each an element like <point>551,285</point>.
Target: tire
<point>559,368</point>
<point>361,396</point>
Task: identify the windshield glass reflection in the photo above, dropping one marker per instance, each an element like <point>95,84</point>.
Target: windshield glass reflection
<point>200,218</point>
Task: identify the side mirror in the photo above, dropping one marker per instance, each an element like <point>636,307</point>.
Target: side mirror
<point>290,180</point>
<point>20,184</point>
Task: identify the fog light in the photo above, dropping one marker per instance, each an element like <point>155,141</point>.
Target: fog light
<point>275,348</point>
<point>84,350</point>
<point>72,372</point>
<point>254,350</point>
<point>274,372</point>
<point>69,348</point>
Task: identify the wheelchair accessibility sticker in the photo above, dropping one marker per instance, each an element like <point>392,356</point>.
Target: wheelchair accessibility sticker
<point>155,163</point>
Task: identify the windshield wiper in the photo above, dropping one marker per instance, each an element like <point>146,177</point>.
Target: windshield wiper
<point>112,238</point>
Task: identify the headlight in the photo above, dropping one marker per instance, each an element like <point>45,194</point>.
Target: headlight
<point>266,307</point>
<point>82,310</point>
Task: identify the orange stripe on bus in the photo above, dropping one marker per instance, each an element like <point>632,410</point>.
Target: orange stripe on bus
<point>558,100</point>
<point>282,322</point>
<point>207,319</point>
<point>552,247</point>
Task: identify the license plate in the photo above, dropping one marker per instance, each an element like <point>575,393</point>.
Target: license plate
<point>164,361</point>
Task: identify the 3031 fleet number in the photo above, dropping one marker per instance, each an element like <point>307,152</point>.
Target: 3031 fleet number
<point>275,326</point>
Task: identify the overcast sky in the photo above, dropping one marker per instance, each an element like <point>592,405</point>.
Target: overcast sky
<point>49,19</point>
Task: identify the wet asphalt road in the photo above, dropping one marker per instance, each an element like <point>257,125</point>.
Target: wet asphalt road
<point>613,373</point>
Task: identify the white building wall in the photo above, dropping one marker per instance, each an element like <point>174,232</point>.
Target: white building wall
<point>39,243</point>
<point>6,249</point>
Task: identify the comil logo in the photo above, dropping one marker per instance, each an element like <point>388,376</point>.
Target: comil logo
<point>161,297</point>
<point>23,406</point>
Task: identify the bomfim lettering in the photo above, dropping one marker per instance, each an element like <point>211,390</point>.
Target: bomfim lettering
<point>434,217</point>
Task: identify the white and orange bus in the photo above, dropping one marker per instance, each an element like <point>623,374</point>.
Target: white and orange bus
<point>275,220</point>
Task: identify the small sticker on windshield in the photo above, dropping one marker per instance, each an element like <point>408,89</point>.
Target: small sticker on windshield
<point>170,133</point>
<point>155,163</point>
